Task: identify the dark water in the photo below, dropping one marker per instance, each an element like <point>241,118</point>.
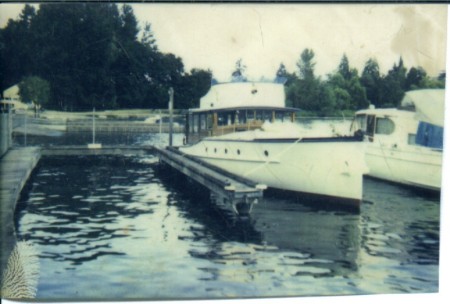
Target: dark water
<point>122,228</point>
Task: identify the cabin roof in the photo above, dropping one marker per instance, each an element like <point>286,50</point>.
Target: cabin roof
<point>429,105</point>
<point>426,105</point>
<point>244,94</point>
<point>242,108</point>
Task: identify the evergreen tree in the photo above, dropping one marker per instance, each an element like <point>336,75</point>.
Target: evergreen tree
<point>238,75</point>
<point>308,92</point>
<point>17,49</point>
<point>306,64</point>
<point>392,88</point>
<point>283,76</point>
<point>92,55</point>
<point>347,89</point>
<point>371,80</point>
<point>344,68</point>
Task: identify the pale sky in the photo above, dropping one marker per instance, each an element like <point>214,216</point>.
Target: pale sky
<point>215,36</point>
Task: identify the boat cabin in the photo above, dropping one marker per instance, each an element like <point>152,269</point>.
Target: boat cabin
<point>236,107</point>
<point>418,121</point>
<point>397,127</point>
<point>200,124</point>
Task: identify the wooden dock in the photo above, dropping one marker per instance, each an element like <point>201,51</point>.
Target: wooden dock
<point>230,191</point>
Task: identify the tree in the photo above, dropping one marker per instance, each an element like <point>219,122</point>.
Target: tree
<point>306,64</point>
<point>129,26</point>
<point>148,38</point>
<point>283,76</point>
<point>414,78</point>
<point>16,48</point>
<point>346,87</point>
<point>392,88</point>
<point>371,80</point>
<point>344,68</point>
<point>238,74</point>
<point>34,90</point>
<point>191,88</point>
<point>308,92</point>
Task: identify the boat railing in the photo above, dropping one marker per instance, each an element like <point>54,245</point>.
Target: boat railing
<point>239,127</point>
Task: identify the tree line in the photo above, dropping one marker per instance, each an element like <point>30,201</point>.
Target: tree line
<point>84,55</point>
<point>346,91</point>
<point>89,55</point>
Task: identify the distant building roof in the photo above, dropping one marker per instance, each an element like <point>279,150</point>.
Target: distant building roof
<point>12,93</point>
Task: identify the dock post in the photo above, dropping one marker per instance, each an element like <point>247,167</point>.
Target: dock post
<point>170,117</point>
<point>26,130</point>
<point>94,145</point>
<point>93,126</point>
<point>160,123</point>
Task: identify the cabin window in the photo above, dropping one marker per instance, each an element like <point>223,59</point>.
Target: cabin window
<point>203,122</point>
<point>384,126</point>
<point>411,139</point>
<point>282,116</point>
<point>370,129</point>
<point>267,115</point>
<point>221,119</point>
<point>195,124</point>
<point>209,121</point>
<point>251,115</point>
<point>359,123</point>
<point>230,118</point>
<point>190,121</point>
<point>259,115</point>
<point>241,116</point>
<point>225,118</point>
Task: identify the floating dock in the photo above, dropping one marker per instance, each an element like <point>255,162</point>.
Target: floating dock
<point>100,150</point>
<point>228,190</point>
<point>113,126</point>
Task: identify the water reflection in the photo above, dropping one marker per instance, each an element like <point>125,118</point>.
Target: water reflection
<point>120,227</point>
<point>84,206</point>
<point>281,237</point>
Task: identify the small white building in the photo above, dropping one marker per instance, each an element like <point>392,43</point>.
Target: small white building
<point>12,93</point>
<point>12,96</point>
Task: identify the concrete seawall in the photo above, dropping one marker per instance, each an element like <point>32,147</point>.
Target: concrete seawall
<point>15,169</point>
<point>5,129</point>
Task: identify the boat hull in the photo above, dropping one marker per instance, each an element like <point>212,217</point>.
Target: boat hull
<point>409,165</point>
<point>329,167</point>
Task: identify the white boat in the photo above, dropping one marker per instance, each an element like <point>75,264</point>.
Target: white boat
<point>405,144</point>
<point>246,129</point>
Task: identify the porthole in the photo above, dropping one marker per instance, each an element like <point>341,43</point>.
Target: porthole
<point>215,150</point>
<point>206,149</point>
<point>238,152</point>
<point>266,153</point>
<point>226,151</point>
